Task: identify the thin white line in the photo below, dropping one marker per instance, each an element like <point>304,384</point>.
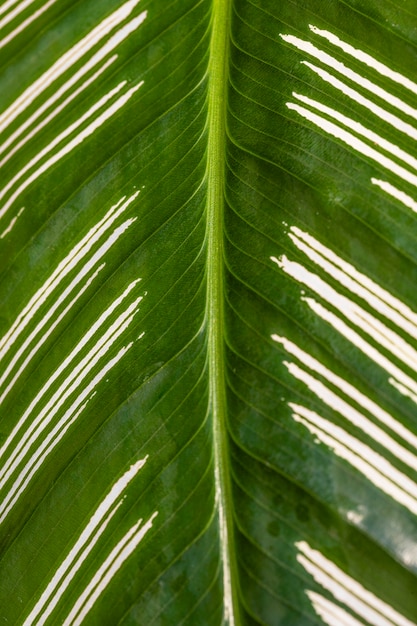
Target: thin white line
<point>6,6</point>
<point>390,118</point>
<point>14,13</point>
<point>48,604</point>
<point>363,57</point>
<point>70,129</point>
<point>349,309</point>
<point>54,437</point>
<point>12,223</point>
<point>69,262</point>
<point>107,571</point>
<point>229,616</point>
<point>332,614</point>
<point>82,547</point>
<point>375,410</point>
<point>392,308</point>
<point>72,383</point>
<point>403,390</point>
<point>358,128</point>
<point>44,337</point>
<point>87,267</point>
<point>59,371</point>
<point>371,430</point>
<point>362,345</point>
<point>114,41</point>
<point>77,140</point>
<point>373,466</point>
<point>308,48</point>
<point>25,24</point>
<point>355,143</point>
<point>348,590</point>
<point>72,56</point>
<point>45,121</point>
<point>402,197</point>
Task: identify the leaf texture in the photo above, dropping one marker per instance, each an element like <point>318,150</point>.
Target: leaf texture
<point>208,313</point>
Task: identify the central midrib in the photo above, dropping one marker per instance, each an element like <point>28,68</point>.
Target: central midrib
<point>217,93</point>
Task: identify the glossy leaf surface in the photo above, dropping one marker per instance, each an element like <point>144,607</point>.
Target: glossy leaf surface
<point>208,312</point>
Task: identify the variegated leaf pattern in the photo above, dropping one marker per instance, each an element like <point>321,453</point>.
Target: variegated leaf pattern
<point>208,317</point>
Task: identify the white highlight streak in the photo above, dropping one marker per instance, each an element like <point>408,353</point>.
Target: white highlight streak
<point>107,571</point>
<point>378,298</point>
<point>402,197</point>
<point>360,456</point>
<point>82,548</point>
<point>363,57</point>
<point>328,60</point>
<point>58,372</point>
<point>388,117</point>
<point>71,384</point>
<point>5,6</point>
<point>12,223</point>
<point>224,539</point>
<point>359,420</point>
<point>25,24</point>
<point>47,317</point>
<point>356,315</point>
<point>363,345</point>
<point>14,13</point>
<point>46,121</point>
<point>112,43</point>
<point>77,140</point>
<point>73,258</point>
<point>332,614</point>
<point>355,143</point>
<point>53,439</point>
<point>358,128</point>
<point>374,432</point>
<point>71,57</point>
<point>347,590</point>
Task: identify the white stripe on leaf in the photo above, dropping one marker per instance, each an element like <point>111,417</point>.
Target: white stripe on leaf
<point>361,130</point>
<point>108,47</point>
<point>56,110</point>
<point>364,57</point>
<point>347,590</point>
<point>402,197</point>
<point>338,130</point>
<point>110,108</point>
<point>31,453</point>
<point>369,463</point>
<point>12,222</point>
<point>77,255</point>
<point>361,81</point>
<point>78,554</point>
<point>368,350</point>
<point>391,119</point>
<point>11,15</point>
<point>346,410</point>
<point>353,142</point>
<point>332,614</point>
<point>65,62</point>
<point>23,25</point>
<point>107,571</point>
<point>347,275</point>
<point>358,316</point>
<point>66,369</point>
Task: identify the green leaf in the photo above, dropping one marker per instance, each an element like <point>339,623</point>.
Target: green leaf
<point>208,312</point>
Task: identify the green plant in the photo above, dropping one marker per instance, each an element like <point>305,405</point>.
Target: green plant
<point>208,353</point>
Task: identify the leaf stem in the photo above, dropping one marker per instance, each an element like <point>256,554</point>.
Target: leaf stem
<point>217,94</point>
